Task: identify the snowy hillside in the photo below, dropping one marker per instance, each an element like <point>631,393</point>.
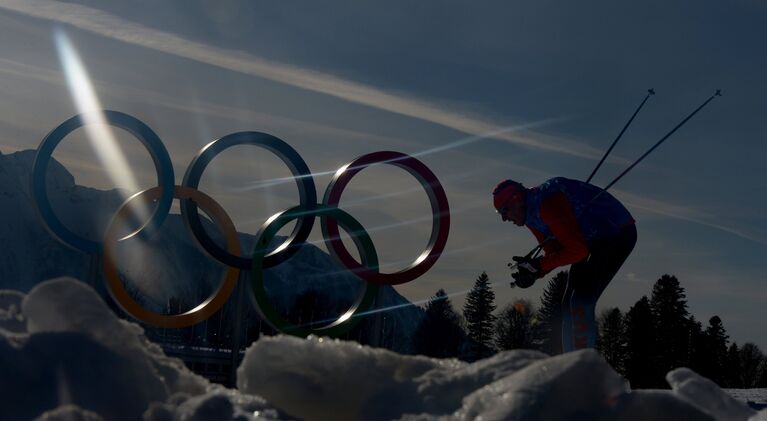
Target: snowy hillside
<point>64,353</point>
<point>171,267</point>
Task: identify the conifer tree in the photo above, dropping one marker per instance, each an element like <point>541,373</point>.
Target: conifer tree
<point>698,353</point>
<point>640,342</point>
<point>762,378</point>
<point>732,373</point>
<point>440,333</point>
<point>514,328</point>
<point>669,310</point>
<point>716,351</point>
<point>751,359</point>
<point>612,339</point>
<point>478,311</point>
<point>549,330</point>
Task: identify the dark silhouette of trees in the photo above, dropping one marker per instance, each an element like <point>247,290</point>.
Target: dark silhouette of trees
<point>696,347</point>
<point>751,361</point>
<point>549,329</point>
<point>660,335</point>
<point>717,337</point>
<point>440,333</point>
<point>762,377</point>
<point>514,327</point>
<point>711,356</point>
<point>671,327</point>
<point>478,311</point>
<point>732,373</point>
<point>611,342</point>
<point>655,336</point>
<point>640,344</point>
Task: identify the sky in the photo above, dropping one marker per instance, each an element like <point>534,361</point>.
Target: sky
<point>479,92</point>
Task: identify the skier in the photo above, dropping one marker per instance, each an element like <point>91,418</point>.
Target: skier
<point>575,223</point>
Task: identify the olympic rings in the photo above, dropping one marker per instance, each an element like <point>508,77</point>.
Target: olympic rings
<point>202,311</point>
<point>330,219</point>
<point>439,207</point>
<point>361,239</point>
<point>306,192</point>
<point>43,156</point>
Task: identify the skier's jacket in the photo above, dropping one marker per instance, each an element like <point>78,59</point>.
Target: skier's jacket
<point>563,209</point>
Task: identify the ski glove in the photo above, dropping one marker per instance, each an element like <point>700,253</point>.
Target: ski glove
<point>528,271</point>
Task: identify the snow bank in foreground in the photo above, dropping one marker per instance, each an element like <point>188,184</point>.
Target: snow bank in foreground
<point>65,356</point>
<point>76,360</point>
<point>322,379</point>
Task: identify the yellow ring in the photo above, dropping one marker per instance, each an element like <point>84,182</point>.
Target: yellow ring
<point>207,307</point>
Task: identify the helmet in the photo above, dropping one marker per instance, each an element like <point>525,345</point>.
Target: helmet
<point>506,190</point>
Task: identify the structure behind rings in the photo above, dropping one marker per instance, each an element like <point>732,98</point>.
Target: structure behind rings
<point>331,217</point>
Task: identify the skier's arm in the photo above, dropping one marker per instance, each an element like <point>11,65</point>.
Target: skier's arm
<point>557,213</point>
<point>551,246</point>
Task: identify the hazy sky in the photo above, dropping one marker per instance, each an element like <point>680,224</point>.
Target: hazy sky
<point>483,91</point>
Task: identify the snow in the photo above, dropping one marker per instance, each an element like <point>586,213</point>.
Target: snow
<point>65,356</point>
<point>749,395</point>
<point>706,394</point>
<point>75,351</point>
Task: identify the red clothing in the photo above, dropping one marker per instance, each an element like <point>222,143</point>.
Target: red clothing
<point>569,246</point>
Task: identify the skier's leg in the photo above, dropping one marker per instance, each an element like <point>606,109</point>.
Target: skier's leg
<point>577,270</point>
<point>567,323</point>
<point>581,275</point>
<point>599,269</point>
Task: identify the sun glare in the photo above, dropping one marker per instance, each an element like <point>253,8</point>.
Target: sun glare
<point>98,132</point>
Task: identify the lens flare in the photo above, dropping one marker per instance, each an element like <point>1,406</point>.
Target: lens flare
<point>99,133</point>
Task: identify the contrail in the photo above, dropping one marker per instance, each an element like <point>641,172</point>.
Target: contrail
<point>452,145</point>
<point>687,214</point>
<point>357,202</point>
<point>114,27</point>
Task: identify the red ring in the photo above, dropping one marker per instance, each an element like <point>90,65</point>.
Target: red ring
<point>440,217</point>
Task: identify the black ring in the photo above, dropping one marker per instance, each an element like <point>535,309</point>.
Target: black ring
<point>306,190</point>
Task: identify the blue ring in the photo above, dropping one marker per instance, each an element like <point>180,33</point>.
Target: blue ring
<point>134,126</point>
<point>306,190</point>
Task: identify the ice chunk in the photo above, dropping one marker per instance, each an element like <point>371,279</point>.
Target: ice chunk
<point>575,385</point>
<point>706,395</point>
<point>656,405</point>
<point>319,378</point>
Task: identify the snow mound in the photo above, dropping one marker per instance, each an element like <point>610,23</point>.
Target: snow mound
<point>317,379</point>
<point>75,358</point>
<point>65,356</point>
<point>705,394</point>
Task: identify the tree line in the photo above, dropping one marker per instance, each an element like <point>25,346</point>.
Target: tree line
<point>656,335</point>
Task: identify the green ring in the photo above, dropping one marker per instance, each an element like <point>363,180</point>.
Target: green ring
<point>367,252</point>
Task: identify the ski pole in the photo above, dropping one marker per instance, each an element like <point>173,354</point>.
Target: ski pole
<point>716,94</point>
<point>628,123</point>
